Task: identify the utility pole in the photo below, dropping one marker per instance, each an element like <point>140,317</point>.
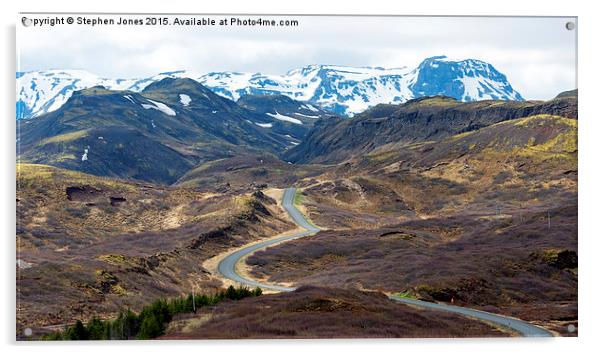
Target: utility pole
<point>193,302</point>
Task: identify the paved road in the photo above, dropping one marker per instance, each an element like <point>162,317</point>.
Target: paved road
<point>227,267</point>
<point>524,328</point>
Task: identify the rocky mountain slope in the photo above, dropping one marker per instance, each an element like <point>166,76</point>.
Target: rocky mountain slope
<point>419,120</point>
<point>156,135</point>
<point>292,118</point>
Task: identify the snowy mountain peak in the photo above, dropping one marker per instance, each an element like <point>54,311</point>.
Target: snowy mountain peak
<point>39,92</point>
<point>345,90</point>
<point>465,80</point>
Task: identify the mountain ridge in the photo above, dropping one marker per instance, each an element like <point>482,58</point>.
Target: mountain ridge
<point>344,90</point>
<point>418,120</point>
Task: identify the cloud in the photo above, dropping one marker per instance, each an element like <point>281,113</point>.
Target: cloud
<point>537,54</point>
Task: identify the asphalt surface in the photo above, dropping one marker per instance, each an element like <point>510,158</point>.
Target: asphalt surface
<point>227,267</point>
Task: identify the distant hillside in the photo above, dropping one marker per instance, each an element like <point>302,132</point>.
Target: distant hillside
<point>418,120</point>
<point>291,117</point>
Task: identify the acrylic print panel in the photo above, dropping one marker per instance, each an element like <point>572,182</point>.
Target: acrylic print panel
<point>258,176</point>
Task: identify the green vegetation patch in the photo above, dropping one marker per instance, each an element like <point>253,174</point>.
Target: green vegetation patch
<point>96,91</point>
<point>299,198</point>
<point>382,156</point>
<point>543,119</point>
<point>561,259</point>
<point>40,175</point>
<point>63,138</point>
<point>115,259</point>
<point>406,295</point>
<point>461,135</point>
<point>151,321</point>
<point>437,101</point>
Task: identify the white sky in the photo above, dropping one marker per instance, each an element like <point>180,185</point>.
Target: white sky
<point>536,54</point>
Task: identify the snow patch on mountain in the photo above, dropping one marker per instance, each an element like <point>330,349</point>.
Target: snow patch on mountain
<point>85,154</point>
<point>284,118</point>
<point>307,116</point>
<point>40,92</point>
<point>129,98</point>
<point>309,107</point>
<point>344,90</point>
<point>159,107</point>
<point>185,99</point>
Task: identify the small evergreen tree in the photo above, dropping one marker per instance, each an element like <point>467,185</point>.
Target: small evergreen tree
<point>77,332</point>
<point>150,327</point>
<point>151,321</point>
<point>257,291</point>
<point>96,329</point>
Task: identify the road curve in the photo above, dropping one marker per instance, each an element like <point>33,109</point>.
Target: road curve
<point>227,268</point>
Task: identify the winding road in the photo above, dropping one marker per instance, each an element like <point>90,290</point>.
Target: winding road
<point>227,268</point>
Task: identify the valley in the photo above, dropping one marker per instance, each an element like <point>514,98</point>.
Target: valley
<point>128,196</point>
<point>227,267</point>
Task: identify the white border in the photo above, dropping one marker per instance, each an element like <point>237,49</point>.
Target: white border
<point>590,132</point>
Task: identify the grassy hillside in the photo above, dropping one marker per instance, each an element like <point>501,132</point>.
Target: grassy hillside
<point>91,246</point>
<point>512,165</point>
<point>514,264</point>
<point>319,312</point>
<point>414,122</point>
<point>485,218</point>
<point>245,172</point>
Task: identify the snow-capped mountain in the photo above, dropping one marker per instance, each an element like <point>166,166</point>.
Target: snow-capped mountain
<point>40,92</point>
<point>343,90</point>
<point>340,89</point>
<point>465,80</point>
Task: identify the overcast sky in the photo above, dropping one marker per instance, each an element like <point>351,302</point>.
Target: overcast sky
<point>536,54</point>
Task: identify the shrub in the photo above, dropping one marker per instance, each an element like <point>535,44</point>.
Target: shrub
<point>561,259</point>
<point>80,213</point>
